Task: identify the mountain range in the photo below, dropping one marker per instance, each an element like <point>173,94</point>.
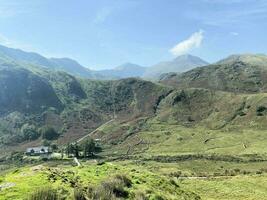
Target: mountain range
<point>227,94</point>
<point>237,73</point>
<point>36,92</point>
<point>179,64</point>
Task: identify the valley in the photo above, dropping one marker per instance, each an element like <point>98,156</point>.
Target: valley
<point>200,134</point>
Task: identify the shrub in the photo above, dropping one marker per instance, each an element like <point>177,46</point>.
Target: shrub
<point>29,132</point>
<point>48,133</point>
<point>45,193</point>
<point>113,188</point>
<point>78,194</point>
<point>140,195</point>
<point>157,197</point>
<point>260,110</point>
<point>124,180</point>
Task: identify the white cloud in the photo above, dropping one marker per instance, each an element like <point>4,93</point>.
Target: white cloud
<point>194,41</point>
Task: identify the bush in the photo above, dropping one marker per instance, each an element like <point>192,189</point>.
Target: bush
<point>45,193</point>
<point>78,194</point>
<point>29,132</point>
<point>260,110</point>
<point>48,133</point>
<point>113,188</point>
<point>140,195</point>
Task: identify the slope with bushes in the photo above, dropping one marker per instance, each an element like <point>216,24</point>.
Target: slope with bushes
<point>239,74</point>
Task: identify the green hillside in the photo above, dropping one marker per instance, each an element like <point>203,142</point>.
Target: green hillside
<point>245,74</point>
<point>201,130</point>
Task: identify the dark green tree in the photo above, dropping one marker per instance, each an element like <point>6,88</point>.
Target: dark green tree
<point>73,149</point>
<point>29,132</point>
<point>88,147</point>
<point>48,133</point>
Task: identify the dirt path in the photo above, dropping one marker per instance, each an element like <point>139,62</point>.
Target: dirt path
<point>84,137</point>
<point>77,161</point>
<point>203,177</point>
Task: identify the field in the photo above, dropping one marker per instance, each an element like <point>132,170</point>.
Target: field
<point>191,179</point>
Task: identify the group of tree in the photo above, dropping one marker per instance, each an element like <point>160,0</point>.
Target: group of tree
<point>48,133</point>
<point>30,132</point>
<point>86,149</point>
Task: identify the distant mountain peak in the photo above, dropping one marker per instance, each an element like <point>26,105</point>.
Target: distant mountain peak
<point>128,65</point>
<point>180,64</point>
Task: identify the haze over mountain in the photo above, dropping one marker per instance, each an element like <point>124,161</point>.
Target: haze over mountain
<point>179,64</point>
<point>63,64</point>
<point>124,71</point>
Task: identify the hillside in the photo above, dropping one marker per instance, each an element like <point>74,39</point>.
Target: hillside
<point>25,92</point>
<point>71,105</point>
<point>171,142</point>
<point>29,58</point>
<point>246,74</point>
<point>123,71</point>
<point>31,61</point>
<point>180,64</point>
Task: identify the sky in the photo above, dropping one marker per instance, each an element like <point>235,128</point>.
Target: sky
<point>106,33</point>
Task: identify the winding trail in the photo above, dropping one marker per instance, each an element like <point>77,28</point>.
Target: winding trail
<point>84,137</point>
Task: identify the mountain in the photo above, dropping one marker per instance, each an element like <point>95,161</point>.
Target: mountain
<point>141,125</point>
<point>71,66</point>
<point>25,57</point>
<point>25,92</point>
<point>237,73</point>
<point>73,106</point>
<point>30,58</point>
<point>180,64</point>
<point>123,71</point>
<point>252,59</point>
<point>32,61</point>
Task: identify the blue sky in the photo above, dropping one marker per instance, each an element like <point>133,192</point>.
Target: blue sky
<point>106,33</point>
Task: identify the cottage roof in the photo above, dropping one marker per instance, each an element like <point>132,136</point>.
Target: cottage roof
<point>41,149</point>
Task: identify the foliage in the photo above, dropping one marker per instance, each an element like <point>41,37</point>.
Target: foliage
<point>30,132</point>
<point>88,147</point>
<point>73,149</point>
<point>48,133</point>
<point>45,193</point>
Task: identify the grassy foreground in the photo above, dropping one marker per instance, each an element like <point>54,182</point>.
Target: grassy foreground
<point>192,179</point>
<point>143,184</point>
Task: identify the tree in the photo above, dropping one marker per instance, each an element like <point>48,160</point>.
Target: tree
<point>29,132</point>
<point>69,149</point>
<point>73,148</point>
<point>48,133</point>
<point>88,148</point>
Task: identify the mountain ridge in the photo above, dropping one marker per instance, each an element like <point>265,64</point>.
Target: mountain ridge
<point>126,70</point>
<point>243,73</point>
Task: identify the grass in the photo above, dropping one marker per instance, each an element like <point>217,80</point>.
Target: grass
<point>161,138</point>
<point>240,187</point>
<point>65,179</point>
<point>142,179</point>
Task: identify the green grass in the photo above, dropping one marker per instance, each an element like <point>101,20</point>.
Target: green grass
<point>149,178</point>
<point>27,180</point>
<point>240,187</point>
